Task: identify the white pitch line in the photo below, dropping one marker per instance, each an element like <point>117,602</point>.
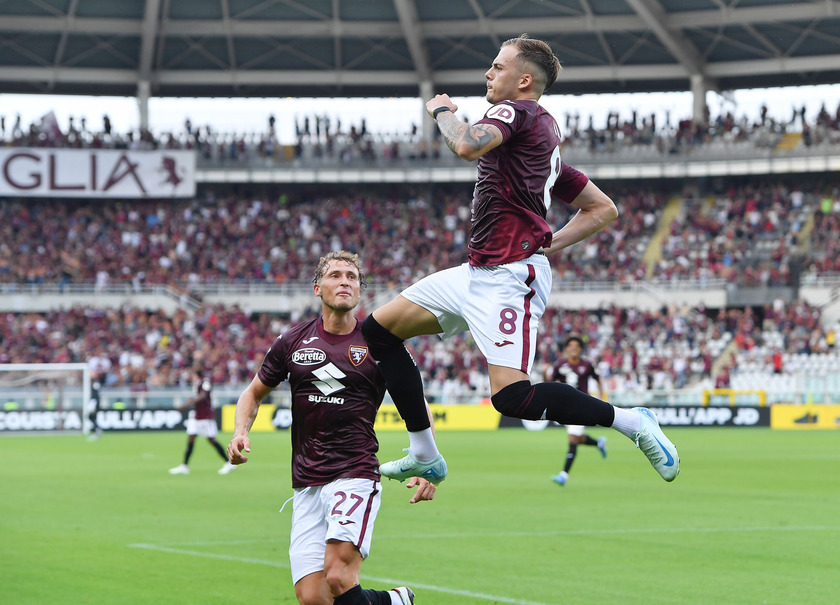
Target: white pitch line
<point>415,585</point>
<point>535,534</point>
<point>209,555</point>
<point>466,593</point>
<point>545,534</point>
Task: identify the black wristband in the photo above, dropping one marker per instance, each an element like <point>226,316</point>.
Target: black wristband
<point>439,110</point>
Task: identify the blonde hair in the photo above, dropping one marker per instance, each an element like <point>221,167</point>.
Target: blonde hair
<point>539,54</point>
<point>344,255</point>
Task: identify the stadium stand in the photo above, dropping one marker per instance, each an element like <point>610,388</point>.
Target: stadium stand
<point>637,350</point>
<point>188,243</point>
<point>328,141</point>
<point>747,235</point>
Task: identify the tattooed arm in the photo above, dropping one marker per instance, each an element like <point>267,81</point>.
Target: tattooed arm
<point>465,141</point>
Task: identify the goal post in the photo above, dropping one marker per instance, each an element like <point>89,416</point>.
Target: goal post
<point>39,397</point>
<point>735,397</point>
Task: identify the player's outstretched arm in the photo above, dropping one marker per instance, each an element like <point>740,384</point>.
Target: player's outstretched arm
<point>597,210</point>
<point>246,412</point>
<point>187,404</point>
<point>425,489</point>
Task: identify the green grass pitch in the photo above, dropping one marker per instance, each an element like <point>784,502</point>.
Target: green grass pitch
<point>753,518</point>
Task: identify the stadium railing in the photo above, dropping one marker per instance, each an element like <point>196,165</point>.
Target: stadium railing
<point>715,161</point>
<point>168,398</point>
<point>290,296</point>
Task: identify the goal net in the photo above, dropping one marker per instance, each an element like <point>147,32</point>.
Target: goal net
<point>41,397</point>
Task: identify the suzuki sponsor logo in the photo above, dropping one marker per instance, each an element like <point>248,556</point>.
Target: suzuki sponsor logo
<point>308,357</point>
<point>319,399</point>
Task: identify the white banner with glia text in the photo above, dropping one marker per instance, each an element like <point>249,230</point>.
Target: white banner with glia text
<point>96,173</point>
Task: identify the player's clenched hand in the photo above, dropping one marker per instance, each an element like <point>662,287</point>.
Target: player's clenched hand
<point>425,490</point>
<point>440,101</point>
<point>237,445</point>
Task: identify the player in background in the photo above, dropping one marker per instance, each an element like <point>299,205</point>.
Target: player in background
<point>500,294</point>
<point>201,421</point>
<point>93,405</point>
<point>98,365</point>
<point>576,371</point>
<point>336,391</point>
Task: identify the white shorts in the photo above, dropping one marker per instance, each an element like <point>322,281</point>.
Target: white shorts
<point>343,510</point>
<point>202,428</point>
<point>577,430</point>
<point>501,306</point>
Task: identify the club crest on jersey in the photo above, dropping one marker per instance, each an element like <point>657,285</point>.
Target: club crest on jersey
<point>357,354</point>
<point>308,357</point>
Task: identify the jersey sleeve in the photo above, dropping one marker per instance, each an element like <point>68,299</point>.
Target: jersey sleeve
<point>569,183</point>
<point>274,368</point>
<point>504,116</point>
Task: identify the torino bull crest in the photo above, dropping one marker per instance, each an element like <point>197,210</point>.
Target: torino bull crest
<point>357,354</point>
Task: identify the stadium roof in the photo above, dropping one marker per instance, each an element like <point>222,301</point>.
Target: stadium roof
<point>326,48</point>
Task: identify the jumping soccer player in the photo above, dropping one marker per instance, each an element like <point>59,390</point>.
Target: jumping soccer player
<point>500,294</point>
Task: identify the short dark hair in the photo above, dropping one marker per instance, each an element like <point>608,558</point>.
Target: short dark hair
<point>344,255</point>
<point>576,339</point>
<point>539,54</point>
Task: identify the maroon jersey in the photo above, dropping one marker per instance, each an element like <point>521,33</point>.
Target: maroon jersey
<point>575,374</point>
<point>336,390</point>
<point>202,403</point>
<point>516,183</point>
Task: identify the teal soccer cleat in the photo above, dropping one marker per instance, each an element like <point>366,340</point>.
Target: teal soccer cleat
<point>561,478</point>
<point>602,446</point>
<point>656,446</point>
<point>405,468</point>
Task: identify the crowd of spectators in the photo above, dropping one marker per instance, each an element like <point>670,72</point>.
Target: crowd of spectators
<point>229,240</point>
<point>640,132</point>
<point>322,138</point>
<point>616,253</point>
<point>747,236</point>
<point>635,350</point>
<point>143,348</point>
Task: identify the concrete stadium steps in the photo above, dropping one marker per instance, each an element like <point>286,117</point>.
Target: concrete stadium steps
<point>653,254</point>
<point>789,141</point>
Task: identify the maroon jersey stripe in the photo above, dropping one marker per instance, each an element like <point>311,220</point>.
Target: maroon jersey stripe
<point>367,515</point>
<point>526,321</point>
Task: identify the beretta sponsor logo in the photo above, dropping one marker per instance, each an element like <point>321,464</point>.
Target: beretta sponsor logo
<point>308,357</point>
